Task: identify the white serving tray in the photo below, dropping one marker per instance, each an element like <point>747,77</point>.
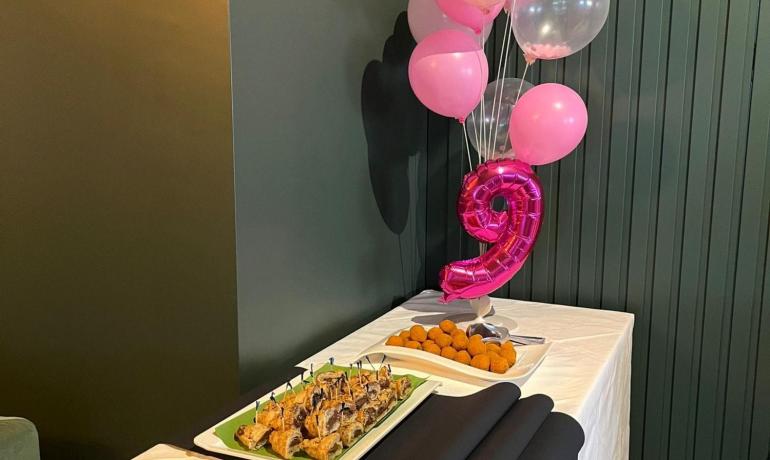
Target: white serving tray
<point>528,358</point>
<point>209,441</point>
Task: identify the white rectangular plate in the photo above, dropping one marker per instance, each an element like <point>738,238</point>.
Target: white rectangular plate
<point>209,441</point>
<point>528,358</point>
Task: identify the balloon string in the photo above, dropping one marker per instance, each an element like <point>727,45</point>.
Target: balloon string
<point>504,64</point>
<point>521,84</point>
<point>467,147</point>
<point>475,128</point>
<point>477,125</point>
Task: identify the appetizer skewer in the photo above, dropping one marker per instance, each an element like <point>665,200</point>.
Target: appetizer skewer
<point>329,413</point>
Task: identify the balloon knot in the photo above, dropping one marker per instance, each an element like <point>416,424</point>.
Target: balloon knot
<point>530,59</point>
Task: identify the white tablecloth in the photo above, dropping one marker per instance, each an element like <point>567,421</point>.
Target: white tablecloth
<point>587,372</point>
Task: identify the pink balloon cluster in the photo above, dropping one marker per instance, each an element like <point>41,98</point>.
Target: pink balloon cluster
<point>448,69</point>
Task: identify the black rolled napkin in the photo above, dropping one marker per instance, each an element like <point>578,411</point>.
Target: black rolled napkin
<point>559,438</point>
<point>510,437</point>
<point>445,427</point>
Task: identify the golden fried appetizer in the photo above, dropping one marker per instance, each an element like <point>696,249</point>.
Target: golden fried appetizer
<point>418,333</point>
<point>480,362</point>
<point>476,337</point>
<point>253,436</point>
<point>463,357</point>
<point>448,352</point>
<point>493,347</point>
<point>434,332</point>
<point>325,448</point>
<point>447,326</point>
<point>507,345</point>
<point>509,355</point>
<point>413,344</point>
<point>427,342</point>
<point>402,386</point>
<point>460,341</point>
<point>405,335</point>
<point>367,415</point>
<point>286,443</point>
<point>476,347</point>
<point>386,398</point>
<point>431,348</point>
<point>498,365</point>
<point>270,415</point>
<point>458,331</point>
<point>350,432</point>
<point>396,341</point>
<point>444,340</point>
<point>324,420</point>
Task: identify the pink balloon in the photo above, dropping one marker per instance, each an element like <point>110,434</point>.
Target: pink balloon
<point>485,5</point>
<point>513,232</point>
<point>547,123</point>
<point>425,17</point>
<point>448,73</point>
<point>472,16</point>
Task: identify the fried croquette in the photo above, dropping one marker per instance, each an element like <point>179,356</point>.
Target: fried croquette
<point>418,333</point>
<point>395,341</point>
<point>460,341</point>
<point>447,326</point>
<point>413,344</point>
<point>480,362</point>
<point>433,333</point>
<point>463,357</point>
<point>431,348</point>
<point>476,347</point>
<point>443,340</point>
<point>448,352</point>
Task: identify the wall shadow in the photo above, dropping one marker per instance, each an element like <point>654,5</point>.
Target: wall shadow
<point>394,125</point>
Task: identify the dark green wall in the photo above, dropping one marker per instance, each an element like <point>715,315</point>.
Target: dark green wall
<point>330,166</point>
<point>661,212</point>
<point>117,267</point>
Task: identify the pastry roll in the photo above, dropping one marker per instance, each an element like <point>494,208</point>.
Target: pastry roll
<point>386,398</point>
<point>324,448</point>
<point>383,377</point>
<point>270,414</point>
<point>360,396</point>
<point>367,415</point>
<point>348,411</point>
<point>324,420</point>
<point>286,443</point>
<point>372,390</point>
<point>294,415</point>
<point>402,387</point>
<point>350,432</point>
<point>252,436</point>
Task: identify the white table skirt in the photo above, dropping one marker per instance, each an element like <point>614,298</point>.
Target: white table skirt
<point>587,372</point>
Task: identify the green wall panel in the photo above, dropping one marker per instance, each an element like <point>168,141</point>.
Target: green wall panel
<point>662,211</point>
<point>329,148</point>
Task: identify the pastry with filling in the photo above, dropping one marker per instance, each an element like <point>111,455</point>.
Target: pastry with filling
<point>252,436</point>
<point>367,415</point>
<point>285,443</point>
<point>324,448</point>
<point>383,377</point>
<point>270,414</point>
<point>387,399</point>
<point>350,432</point>
<point>402,386</point>
<point>324,420</point>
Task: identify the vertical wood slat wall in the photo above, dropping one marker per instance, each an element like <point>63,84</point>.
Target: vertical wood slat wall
<point>662,211</point>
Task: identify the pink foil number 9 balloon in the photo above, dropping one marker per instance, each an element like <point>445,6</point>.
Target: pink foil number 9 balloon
<point>513,231</point>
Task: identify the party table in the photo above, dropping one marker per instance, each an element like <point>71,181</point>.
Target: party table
<point>587,371</point>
